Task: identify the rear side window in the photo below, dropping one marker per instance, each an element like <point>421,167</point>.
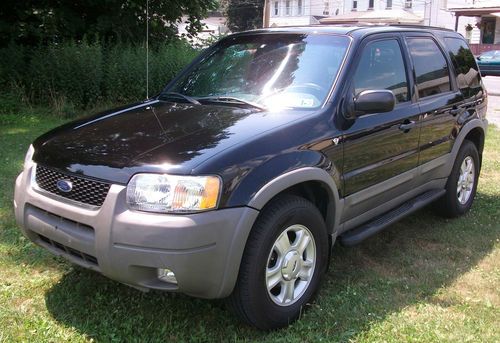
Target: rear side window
<point>382,67</point>
<point>430,65</point>
<point>464,63</point>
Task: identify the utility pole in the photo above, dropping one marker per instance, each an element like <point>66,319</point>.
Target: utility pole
<point>265,15</point>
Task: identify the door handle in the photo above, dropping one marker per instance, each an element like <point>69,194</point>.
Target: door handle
<point>407,125</point>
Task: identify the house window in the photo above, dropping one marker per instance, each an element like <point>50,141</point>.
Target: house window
<point>370,5</point>
<point>287,7</point>
<point>355,5</point>
<point>408,3</point>
<point>326,11</point>
<point>299,7</point>
<point>389,5</point>
<point>276,8</point>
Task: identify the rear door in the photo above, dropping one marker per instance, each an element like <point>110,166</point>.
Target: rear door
<point>380,149</point>
<point>439,100</point>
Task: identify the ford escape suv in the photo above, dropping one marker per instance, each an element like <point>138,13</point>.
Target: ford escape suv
<point>237,180</point>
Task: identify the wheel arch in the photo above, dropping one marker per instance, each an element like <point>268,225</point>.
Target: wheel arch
<point>313,184</point>
<point>475,131</point>
<point>477,136</point>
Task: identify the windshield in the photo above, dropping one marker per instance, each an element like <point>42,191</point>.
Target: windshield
<point>270,70</point>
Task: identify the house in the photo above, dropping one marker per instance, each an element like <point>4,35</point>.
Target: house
<point>484,33</point>
<point>214,25</point>
<point>423,12</point>
<point>299,12</point>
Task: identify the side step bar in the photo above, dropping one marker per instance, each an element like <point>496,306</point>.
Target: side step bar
<point>357,235</point>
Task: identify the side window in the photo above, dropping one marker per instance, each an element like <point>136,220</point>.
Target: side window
<point>430,66</point>
<point>382,67</point>
<point>465,66</point>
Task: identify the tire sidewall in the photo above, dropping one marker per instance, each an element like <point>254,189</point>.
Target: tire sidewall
<point>310,218</point>
<point>468,149</point>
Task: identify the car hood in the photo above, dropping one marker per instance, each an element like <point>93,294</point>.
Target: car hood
<point>154,136</point>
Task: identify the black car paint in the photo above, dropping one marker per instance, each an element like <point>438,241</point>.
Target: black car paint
<point>249,148</point>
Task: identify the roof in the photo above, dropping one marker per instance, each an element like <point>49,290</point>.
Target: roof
<point>478,8</point>
<point>394,16</point>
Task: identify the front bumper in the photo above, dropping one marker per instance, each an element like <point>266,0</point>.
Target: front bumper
<point>204,250</point>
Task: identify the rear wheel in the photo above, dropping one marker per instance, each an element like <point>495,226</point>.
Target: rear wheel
<point>284,260</point>
<point>462,182</point>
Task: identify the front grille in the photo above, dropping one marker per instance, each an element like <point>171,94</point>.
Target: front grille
<point>84,190</point>
<point>70,251</point>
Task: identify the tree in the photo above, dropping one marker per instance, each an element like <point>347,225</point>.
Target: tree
<point>243,14</point>
<point>33,22</point>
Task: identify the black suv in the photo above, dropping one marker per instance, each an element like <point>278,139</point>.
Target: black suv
<point>238,178</point>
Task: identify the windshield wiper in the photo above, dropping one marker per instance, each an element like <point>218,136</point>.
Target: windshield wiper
<point>230,99</point>
<point>182,96</point>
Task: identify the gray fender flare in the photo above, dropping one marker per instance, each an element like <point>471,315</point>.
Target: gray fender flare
<point>297,176</point>
<point>471,125</point>
<point>257,203</point>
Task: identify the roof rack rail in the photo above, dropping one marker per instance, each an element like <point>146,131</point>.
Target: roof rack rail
<point>422,27</point>
<point>366,24</point>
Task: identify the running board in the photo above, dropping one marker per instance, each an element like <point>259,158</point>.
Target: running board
<point>357,235</point>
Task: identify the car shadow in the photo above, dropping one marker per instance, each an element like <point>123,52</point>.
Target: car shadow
<point>402,266</point>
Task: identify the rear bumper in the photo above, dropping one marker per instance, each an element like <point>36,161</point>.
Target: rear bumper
<point>203,250</point>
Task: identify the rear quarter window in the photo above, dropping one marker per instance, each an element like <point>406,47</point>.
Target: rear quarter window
<point>464,65</point>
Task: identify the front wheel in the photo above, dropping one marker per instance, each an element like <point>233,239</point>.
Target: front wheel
<point>462,182</point>
<point>284,260</point>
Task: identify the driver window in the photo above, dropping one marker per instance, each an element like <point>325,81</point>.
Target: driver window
<point>382,67</point>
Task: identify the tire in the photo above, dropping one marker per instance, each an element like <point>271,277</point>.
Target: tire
<point>460,189</point>
<point>268,259</point>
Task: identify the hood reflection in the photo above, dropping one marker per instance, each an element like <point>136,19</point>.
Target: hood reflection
<point>156,135</point>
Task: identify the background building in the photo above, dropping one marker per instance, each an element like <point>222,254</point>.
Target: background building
<point>484,32</point>
<point>450,14</point>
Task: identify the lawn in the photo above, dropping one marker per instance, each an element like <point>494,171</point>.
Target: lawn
<point>424,279</point>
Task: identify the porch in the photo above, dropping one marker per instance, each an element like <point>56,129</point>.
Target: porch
<point>487,14</point>
<point>478,49</point>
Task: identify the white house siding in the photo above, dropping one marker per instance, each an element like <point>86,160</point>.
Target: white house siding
<point>433,11</point>
<point>310,10</point>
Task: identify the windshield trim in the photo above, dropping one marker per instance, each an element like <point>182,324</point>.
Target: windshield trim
<point>341,68</point>
<point>207,52</point>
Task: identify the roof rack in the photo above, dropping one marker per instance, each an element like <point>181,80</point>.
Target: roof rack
<point>362,25</point>
<point>422,27</point>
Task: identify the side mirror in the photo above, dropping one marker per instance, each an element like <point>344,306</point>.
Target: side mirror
<point>374,101</point>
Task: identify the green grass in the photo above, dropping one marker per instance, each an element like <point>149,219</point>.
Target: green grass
<point>424,279</point>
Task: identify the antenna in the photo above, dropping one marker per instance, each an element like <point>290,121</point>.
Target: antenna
<point>147,49</point>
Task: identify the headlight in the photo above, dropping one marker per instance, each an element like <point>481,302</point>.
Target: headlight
<point>173,193</point>
<point>29,156</point>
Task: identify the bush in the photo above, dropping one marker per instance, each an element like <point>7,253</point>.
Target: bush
<point>72,76</point>
<point>66,73</point>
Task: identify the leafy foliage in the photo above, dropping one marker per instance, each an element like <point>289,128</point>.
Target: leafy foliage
<point>72,76</point>
<point>243,14</point>
<point>33,22</point>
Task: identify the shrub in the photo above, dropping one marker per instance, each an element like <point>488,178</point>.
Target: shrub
<point>72,76</point>
<point>66,73</point>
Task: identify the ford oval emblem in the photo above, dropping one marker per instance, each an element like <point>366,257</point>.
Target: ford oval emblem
<point>64,186</point>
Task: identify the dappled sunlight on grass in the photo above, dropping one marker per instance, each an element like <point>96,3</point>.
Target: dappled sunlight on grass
<point>14,131</point>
